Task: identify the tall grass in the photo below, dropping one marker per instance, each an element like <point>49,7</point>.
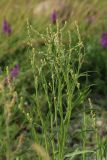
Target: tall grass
<point>57,84</point>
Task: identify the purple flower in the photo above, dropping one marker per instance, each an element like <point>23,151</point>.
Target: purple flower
<point>6,27</point>
<point>14,71</point>
<point>103,40</point>
<point>12,75</point>
<point>54,17</point>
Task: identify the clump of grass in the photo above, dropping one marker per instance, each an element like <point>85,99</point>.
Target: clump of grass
<point>7,104</point>
<point>100,142</point>
<point>57,83</point>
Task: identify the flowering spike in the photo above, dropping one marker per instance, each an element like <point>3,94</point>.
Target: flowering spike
<point>104,40</point>
<point>14,71</point>
<point>6,27</point>
<point>54,17</point>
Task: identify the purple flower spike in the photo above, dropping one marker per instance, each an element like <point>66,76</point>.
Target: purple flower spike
<point>6,28</point>
<point>104,40</point>
<point>54,17</point>
<point>14,71</point>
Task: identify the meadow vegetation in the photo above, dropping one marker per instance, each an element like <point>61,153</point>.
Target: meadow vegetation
<point>53,80</point>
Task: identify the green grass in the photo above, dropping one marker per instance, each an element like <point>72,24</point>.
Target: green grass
<point>45,112</point>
